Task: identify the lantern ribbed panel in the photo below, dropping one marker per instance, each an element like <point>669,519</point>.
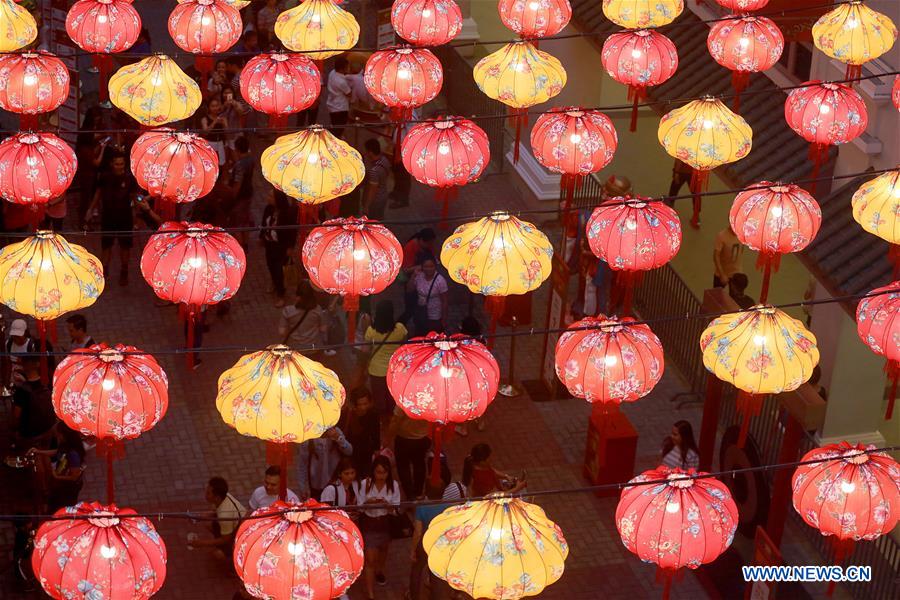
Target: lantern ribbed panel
<point>426,22</point>
<point>535,18</point>
<point>826,113</point>
<point>444,153</point>
<point>639,59</point>
<point>280,84</point>
<point>877,322</point>
<point>519,75</point>
<point>876,206</point>
<point>573,141</point>
<point>705,134</point>
<point>32,82</point>
<point>17,27</point>
<point>618,362</point>
<point>205,26</point>
<point>640,14</point>
<point>745,43</point>
<point>853,33</point>
<point>35,168</point>
<point>634,233</point>
<point>743,6</point>
<point>774,218</point>
<point>317,25</point>
<point>174,166</point>
<point>403,77</point>
<point>110,392</point>
<point>104,26</point>
<point>154,91</point>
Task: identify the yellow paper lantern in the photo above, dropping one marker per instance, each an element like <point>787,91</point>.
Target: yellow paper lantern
<point>312,165</point>
<point>519,75</point>
<point>704,134</point>
<point>876,206</point>
<point>854,34</point>
<point>317,25</point>
<point>642,14</point>
<point>44,276</point>
<point>17,27</point>
<point>278,395</point>
<point>154,91</point>
<point>501,548</point>
<point>498,255</point>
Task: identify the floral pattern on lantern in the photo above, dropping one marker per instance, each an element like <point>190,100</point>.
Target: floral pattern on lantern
<point>44,276</point>
<point>17,27</point>
<point>745,44</point>
<point>426,22</point>
<point>310,554</point>
<point>173,165</point>
<point>154,91</point>
<point>443,379</point>
<point>110,392</point>
<point>876,206</point>
<point>279,395</point>
<point>312,166</point>
<point>280,84</point>
<point>895,92</point>
<point>854,34</point>
<point>403,78</point>
<point>498,255</point>
<point>205,26</point>
<point>103,26</point>
<point>319,28</point>
<point>352,257</point>
<point>826,113</point>
<point>535,18</point>
<point>743,6</point>
<point>639,59</point>
<point>641,14</point>
<point>110,554</point>
<point>634,233</point>
<point>35,168</point>
<point>853,494</point>
<point>500,548</point>
<point>32,82</point>
<point>603,359</point>
<point>773,218</point>
<point>879,328</point>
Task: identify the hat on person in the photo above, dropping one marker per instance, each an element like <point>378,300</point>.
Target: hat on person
<point>18,328</point>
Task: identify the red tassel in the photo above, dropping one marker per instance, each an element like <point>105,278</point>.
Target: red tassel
<point>625,282</point>
<point>636,94</point>
<point>278,121</point>
<point>205,65</point>
<point>436,436</point>
<point>351,305</point>
<point>892,368</point>
<point>818,153</point>
<point>521,118</point>
<point>842,550</point>
<point>110,450</point>
<point>894,257</point>
<point>444,196</point>
<point>28,122</point>
<point>768,263</point>
<point>191,324</point>
<point>699,181</point>
<point>739,81</point>
<point>493,306</point>
<point>104,64</point>
<point>749,405</point>
<point>853,72</point>
<point>666,577</point>
<point>42,334</point>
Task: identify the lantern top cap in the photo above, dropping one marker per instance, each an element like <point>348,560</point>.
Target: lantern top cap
<point>763,309</point>
<point>855,456</point>
<point>185,137</point>
<point>44,234</point>
<point>316,128</point>
<point>298,516</point>
<point>634,202</point>
<point>501,498</point>
<point>780,188</point>
<point>680,480</point>
<point>29,137</point>
<point>499,215</point>
<point>279,350</point>
<point>575,113</point>
<point>642,32</point>
<point>196,232</point>
<point>445,345</point>
<point>444,124</point>
<point>611,325</point>
<point>103,519</point>
<point>110,355</point>
<point>403,50</point>
<point>278,56</point>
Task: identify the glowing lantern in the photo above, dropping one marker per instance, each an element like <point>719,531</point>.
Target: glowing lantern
<point>205,27</point>
<point>825,114</point>
<point>35,168</point>
<point>500,548</point>
<point>154,91</point>
<point>774,219</point>
<point>853,494</point>
<point>17,27</point>
<point>876,207</point>
<point>685,522</point>
<point>633,235</point>
<point>32,83</point>
<point>535,18</point>
<point>743,6</point>
<point>403,78</point>
<point>520,76</point>
<point>895,92</point>
<point>642,14</point>
<point>854,34</point>
<point>238,4</point>
<point>106,552</point>
<point>352,257</point>
<point>426,22</point>
<point>446,153</point>
<point>319,28</point>
<point>879,328</point>
<point>44,276</point>
<point>639,59</point>
<point>110,393</point>
<point>298,551</point>
<point>759,351</point>
<point>608,360</point>
<point>312,165</point>
<point>280,84</point>
<point>745,44</point>
<point>704,134</point>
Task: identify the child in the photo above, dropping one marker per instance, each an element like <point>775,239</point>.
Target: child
<point>363,430</point>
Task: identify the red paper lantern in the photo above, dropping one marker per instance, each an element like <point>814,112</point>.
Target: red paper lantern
<point>895,92</point>
<point>108,555</point>
<point>574,143</point>
<point>878,326</point>
<point>279,84</point>
<point>681,523</point>
<point>608,360</point>
<point>32,83</point>
<point>535,18</point>
<point>103,26</point>
<point>174,166</point>
<point>743,6</point>
<point>774,219</point>
<point>426,22</point>
<point>205,27</point>
<point>403,78</point>
<point>853,494</point>
<point>312,552</point>
<point>110,393</point>
<point>35,168</point>
<point>745,45</point>
<point>825,114</point>
<point>446,153</point>
<point>352,257</point>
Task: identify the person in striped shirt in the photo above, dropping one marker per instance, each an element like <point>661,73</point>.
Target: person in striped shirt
<point>679,449</point>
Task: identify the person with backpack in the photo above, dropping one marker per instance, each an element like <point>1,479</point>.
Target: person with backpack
<point>383,333</point>
<point>318,458</point>
<point>431,291</point>
<point>303,324</point>
<point>344,488</point>
<point>229,512</point>
<point>33,417</point>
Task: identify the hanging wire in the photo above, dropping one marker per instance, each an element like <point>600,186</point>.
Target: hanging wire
<point>205,516</point>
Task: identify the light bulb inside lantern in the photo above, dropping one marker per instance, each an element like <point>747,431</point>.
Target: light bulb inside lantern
<point>446,372</point>
<point>359,254</point>
<point>313,158</point>
<point>848,487</point>
<point>759,340</point>
<point>316,18</point>
<point>777,211</point>
<point>499,244</point>
<point>707,124</point>
<point>156,80</point>
<point>636,53</point>
<point>520,66</point>
<point>610,360</point>
<point>279,78</point>
<point>673,507</point>
<point>195,262</point>
<point>426,13</point>
<point>575,138</point>
<point>403,74</point>
<point>46,265</point>
<point>101,18</point>
<point>444,148</point>
<point>107,552</point>
<point>534,5</point>
<point>631,224</point>
<point>744,42</point>
<point>29,79</point>
<point>897,191</point>
<point>205,20</point>
<point>284,381</point>
<point>852,23</point>
<point>295,549</point>
<point>108,384</point>
<point>824,109</point>
<point>496,533</point>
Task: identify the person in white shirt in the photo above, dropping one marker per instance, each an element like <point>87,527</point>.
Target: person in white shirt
<point>380,488</point>
<point>317,460</point>
<point>340,91</point>
<point>431,294</point>
<point>679,449</point>
<point>229,512</point>
<point>344,488</point>
<point>265,495</point>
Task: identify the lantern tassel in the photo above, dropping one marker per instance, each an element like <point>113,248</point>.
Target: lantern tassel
<point>444,196</point>
<point>699,181</point>
<point>818,153</point>
<point>894,257</point>
<point>749,405</point>
<point>493,306</point>
<point>768,263</point>
<point>625,282</point>
<point>436,434</point>
<point>892,368</point>
<point>521,119</point>
<point>636,94</point>
<point>110,450</point>
<point>282,481</point>
<point>278,121</point>
<point>853,72</point>
<point>351,305</point>
<point>42,333</point>
<point>28,122</point>
<point>190,325</point>
<point>842,550</point>
<point>739,81</point>
<point>667,577</point>
<point>104,64</point>
<point>205,66</point>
